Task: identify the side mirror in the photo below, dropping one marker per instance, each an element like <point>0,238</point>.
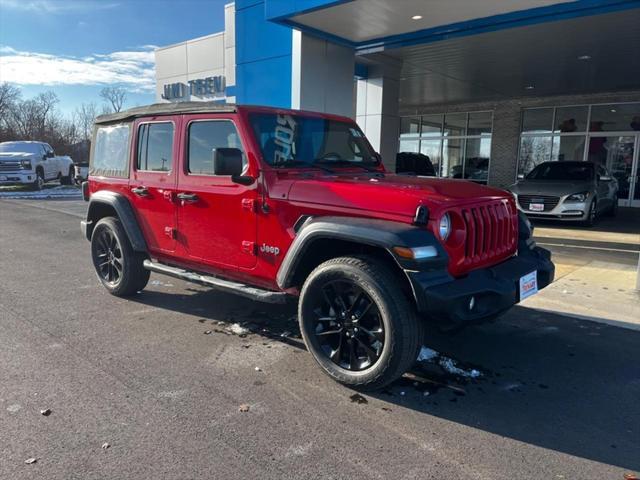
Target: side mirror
<point>50,154</point>
<point>228,161</point>
<point>521,176</point>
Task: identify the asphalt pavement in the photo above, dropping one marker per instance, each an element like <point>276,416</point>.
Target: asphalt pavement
<point>151,387</point>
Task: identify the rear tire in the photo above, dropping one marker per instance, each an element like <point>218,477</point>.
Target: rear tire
<point>358,323</point>
<point>118,267</point>
<point>68,180</point>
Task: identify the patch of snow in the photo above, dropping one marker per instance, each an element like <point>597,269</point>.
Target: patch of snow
<point>62,191</point>
<point>427,354</point>
<point>238,329</point>
<point>448,364</point>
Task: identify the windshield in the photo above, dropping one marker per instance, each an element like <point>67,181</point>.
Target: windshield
<point>20,147</point>
<point>294,140</point>
<point>562,171</point>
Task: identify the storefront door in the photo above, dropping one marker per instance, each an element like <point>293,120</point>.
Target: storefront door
<point>619,155</point>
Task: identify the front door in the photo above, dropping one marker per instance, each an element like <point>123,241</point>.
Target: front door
<point>49,164</point>
<point>216,217</point>
<point>153,182</point>
<point>619,155</point>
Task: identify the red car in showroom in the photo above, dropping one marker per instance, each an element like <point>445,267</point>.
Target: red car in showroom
<point>275,204</point>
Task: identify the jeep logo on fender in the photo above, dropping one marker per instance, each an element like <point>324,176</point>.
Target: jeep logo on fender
<point>269,249</point>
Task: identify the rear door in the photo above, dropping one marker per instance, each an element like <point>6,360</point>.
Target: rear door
<point>153,181</point>
<point>217,220</point>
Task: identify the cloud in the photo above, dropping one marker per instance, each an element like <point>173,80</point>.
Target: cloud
<point>57,6</point>
<point>134,69</point>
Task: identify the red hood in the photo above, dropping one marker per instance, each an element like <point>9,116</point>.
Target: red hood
<point>388,193</point>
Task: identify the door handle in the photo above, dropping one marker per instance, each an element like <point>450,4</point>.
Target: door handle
<point>140,191</point>
<point>187,197</point>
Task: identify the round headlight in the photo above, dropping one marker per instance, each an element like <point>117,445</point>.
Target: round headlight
<point>444,228</point>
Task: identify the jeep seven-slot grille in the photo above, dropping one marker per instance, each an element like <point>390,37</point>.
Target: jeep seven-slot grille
<point>491,232</point>
<point>549,202</point>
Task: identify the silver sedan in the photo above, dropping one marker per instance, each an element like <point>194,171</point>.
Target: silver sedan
<point>568,191</point>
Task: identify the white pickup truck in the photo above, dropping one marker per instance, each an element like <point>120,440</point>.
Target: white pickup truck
<point>33,163</point>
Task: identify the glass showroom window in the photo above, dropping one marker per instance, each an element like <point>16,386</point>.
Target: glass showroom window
<point>458,145</point>
<point>573,133</point>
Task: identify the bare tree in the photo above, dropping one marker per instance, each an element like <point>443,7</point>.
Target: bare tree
<point>30,118</point>
<point>9,96</point>
<point>115,96</point>
<point>39,119</point>
<point>84,117</point>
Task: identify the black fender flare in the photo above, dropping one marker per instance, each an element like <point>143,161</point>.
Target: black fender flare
<point>384,234</point>
<point>125,214</point>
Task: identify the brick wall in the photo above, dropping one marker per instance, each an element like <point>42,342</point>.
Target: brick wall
<point>506,124</point>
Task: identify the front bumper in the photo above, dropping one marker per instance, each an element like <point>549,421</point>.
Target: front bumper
<point>494,290</point>
<point>565,211</point>
<point>16,178</point>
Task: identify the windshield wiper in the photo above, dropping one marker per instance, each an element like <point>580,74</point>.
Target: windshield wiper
<point>344,163</point>
<point>300,163</point>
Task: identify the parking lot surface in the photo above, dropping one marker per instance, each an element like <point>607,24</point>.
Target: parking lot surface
<point>151,387</point>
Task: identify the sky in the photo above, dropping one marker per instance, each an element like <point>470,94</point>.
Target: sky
<point>77,47</point>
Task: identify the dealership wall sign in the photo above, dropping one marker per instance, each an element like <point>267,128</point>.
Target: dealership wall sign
<point>200,87</point>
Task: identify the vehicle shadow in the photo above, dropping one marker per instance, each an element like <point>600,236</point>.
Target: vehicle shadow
<point>548,380</point>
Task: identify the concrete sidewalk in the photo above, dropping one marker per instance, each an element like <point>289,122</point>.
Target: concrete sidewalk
<point>599,291</point>
<point>596,270</point>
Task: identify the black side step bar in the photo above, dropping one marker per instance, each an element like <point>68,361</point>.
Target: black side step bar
<point>228,286</point>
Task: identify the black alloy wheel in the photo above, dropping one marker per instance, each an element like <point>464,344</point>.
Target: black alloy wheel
<point>348,326</point>
<point>118,267</point>
<point>358,322</point>
<point>108,257</point>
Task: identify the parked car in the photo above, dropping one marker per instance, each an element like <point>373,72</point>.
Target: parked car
<point>81,172</point>
<point>476,170</point>
<point>569,191</point>
<point>275,204</point>
<point>33,163</point>
<point>414,163</point>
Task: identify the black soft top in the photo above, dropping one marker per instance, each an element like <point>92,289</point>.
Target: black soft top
<point>166,109</point>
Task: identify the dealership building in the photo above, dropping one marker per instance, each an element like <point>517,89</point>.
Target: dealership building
<point>485,89</point>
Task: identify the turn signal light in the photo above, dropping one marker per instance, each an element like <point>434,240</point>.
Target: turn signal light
<point>417,253</point>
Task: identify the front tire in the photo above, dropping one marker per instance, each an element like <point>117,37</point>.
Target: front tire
<point>613,211</point>
<point>592,216</point>
<point>38,184</point>
<point>118,267</point>
<point>358,323</point>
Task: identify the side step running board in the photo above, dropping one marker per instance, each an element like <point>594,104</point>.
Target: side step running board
<point>229,286</point>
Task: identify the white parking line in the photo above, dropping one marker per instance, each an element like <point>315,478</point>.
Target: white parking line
<point>588,248</point>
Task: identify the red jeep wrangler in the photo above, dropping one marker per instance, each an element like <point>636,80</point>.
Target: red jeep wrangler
<point>272,204</point>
